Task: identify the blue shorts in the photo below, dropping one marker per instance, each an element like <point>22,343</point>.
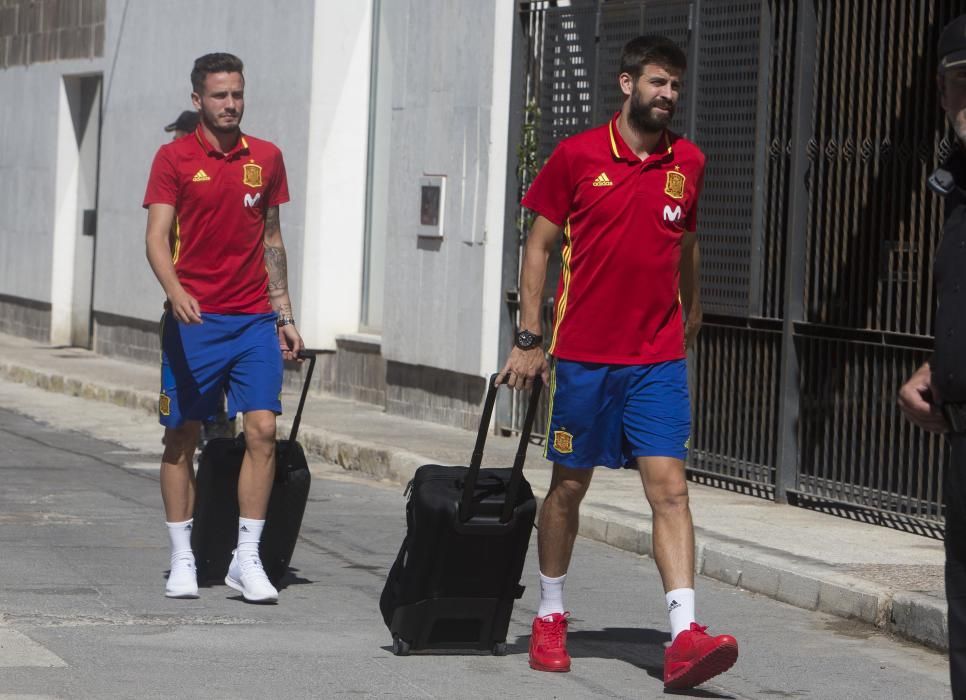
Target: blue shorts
<point>606,415</point>
<point>237,354</point>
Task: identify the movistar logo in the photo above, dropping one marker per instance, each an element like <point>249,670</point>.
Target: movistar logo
<point>603,181</point>
<point>672,214</point>
<point>251,201</point>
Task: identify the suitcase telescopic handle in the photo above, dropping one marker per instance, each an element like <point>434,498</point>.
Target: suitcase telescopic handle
<point>516,476</point>
<point>310,355</point>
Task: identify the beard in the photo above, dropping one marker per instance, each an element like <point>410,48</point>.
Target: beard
<point>211,121</point>
<point>643,118</point>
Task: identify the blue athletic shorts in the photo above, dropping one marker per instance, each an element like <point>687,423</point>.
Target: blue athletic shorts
<point>606,415</point>
<point>235,353</point>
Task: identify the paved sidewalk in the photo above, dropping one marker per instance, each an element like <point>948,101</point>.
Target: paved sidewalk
<point>889,579</point>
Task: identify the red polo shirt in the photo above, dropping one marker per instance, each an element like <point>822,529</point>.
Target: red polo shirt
<point>618,298</point>
<point>220,201</point>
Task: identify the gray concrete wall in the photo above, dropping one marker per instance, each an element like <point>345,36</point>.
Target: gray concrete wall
<point>148,53</point>
<point>28,155</point>
<point>441,92</point>
<point>32,125</point>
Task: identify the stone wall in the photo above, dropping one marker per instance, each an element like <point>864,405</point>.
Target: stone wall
<point>127,338</point>
<point>37,31</point>
<point>437,395</point>
<point>25,317</point>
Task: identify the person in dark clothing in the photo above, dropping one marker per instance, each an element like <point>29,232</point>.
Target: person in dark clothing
<point>934,398</point>
<point>185,124</point>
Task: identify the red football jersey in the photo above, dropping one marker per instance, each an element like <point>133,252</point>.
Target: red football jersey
<point>220,201</point>
<point>618,299</point>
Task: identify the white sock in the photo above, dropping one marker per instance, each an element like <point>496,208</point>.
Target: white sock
<point>680,608</point>
<point>551,595</point>
<point>180,534</point>
<point>249,534</point>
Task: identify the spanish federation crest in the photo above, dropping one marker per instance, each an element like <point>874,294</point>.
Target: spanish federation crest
<point>252,175</point>
<point>563,442</point>
<point>674,184</point>
<point>164,404</point>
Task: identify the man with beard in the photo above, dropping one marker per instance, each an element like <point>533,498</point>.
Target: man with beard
<point>624,195</point>
<point>934,398</point>
<point>228,318</point>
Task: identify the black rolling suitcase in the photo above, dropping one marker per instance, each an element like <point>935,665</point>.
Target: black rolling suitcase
<point>215,531</point>
<point>458,571</point>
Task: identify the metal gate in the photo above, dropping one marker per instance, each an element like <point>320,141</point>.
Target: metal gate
<point>820,122</point>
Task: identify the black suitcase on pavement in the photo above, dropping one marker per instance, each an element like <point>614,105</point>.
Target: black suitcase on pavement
<point>458,571</point>
<point>215,530</point>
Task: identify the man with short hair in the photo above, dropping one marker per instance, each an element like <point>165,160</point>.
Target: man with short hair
<point>624,195</point>
<point>934,398</point>
<point>228,320</point>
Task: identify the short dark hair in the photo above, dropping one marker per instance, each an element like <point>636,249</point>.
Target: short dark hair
<point>652,48</point>
<point>214,63</point>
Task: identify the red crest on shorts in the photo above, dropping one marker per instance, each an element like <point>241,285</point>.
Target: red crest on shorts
<point>563,442</point>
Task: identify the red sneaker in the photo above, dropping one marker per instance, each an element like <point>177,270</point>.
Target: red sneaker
<point>695,656</point>
<point>548,643</point>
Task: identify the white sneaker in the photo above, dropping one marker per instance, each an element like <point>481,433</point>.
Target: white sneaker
<point>247,576</point>
<point>183,578</point>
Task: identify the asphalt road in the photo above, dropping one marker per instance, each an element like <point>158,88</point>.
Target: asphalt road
<point>83,554</point>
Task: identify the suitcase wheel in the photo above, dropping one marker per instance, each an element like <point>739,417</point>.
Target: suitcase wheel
<point>400,647</point>
<point>499,649</point>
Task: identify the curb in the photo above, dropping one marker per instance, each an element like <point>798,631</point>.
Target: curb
<point>145,401</point>
<point>913,616</point>
<point>922,619</point>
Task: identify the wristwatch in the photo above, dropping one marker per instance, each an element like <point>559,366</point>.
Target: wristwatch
<point>526,340</point>
<point>284,320</point>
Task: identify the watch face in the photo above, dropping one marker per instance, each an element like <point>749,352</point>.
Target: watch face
<point>526,339</point>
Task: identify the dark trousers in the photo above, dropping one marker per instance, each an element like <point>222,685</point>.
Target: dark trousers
<point>956,564</point>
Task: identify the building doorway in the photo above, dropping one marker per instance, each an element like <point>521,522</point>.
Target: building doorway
<point>75,221</point>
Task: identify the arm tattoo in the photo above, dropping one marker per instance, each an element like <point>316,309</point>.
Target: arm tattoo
<point>275,263</point>
<point>271,221</point>
<point>275,260</point>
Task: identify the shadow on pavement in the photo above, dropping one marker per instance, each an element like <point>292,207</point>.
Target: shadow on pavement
<point>291,578</point>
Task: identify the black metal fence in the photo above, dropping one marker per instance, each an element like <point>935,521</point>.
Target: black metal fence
<point>820,121</point>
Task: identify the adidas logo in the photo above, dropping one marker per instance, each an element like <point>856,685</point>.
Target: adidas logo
<point>244,528</point>
<point>603,181</point>
<point>673,606</point>
<point>200,176</point>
